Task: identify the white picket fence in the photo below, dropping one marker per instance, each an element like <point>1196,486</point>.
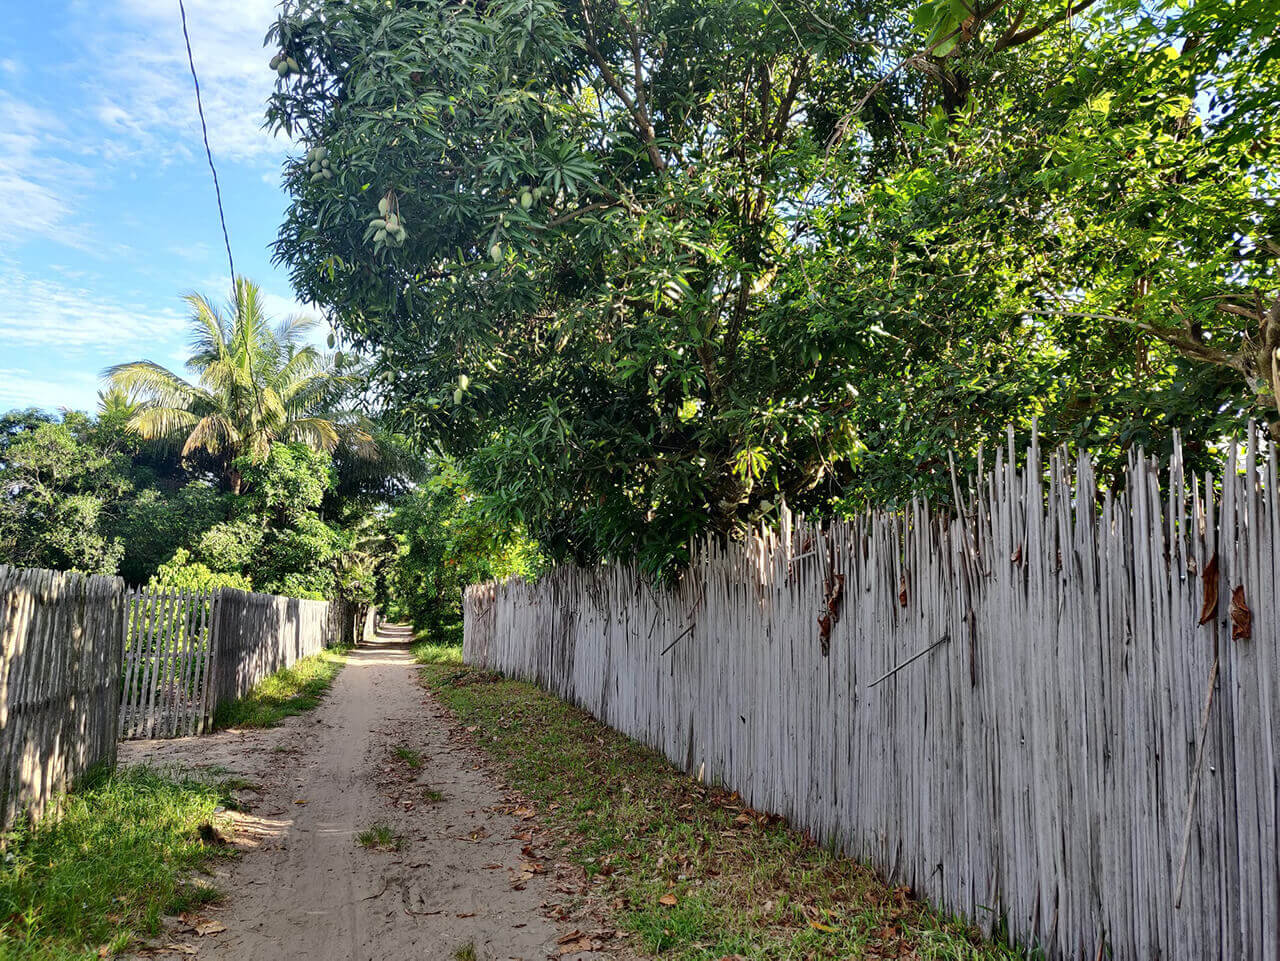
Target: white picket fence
<point>1033,710</point>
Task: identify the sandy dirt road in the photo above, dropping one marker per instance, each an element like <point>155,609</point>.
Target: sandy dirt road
<point>468,870</point>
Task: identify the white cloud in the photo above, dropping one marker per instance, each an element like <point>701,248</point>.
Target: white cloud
<point>42,312</point>
<point>146,101</point>
<point>20,388</point>
<point>35,180</point>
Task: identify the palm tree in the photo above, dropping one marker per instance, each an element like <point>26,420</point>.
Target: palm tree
<point>253,385</point>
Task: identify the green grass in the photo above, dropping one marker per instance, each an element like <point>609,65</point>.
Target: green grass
<point>433,652</point>
<point>379,837</point>
<point>294,690</point>
<point>687,868</point>
<point>124,852</point>
<point>432,795</point>
<point>408,755</point>
<point>466,952</point>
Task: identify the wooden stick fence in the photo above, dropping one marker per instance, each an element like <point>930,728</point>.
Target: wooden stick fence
<point>59,669</point>
<point>295,629</point>
<point>167,661</point>
<point>84,662</point>
<point>1055,708</point>
<point>188,652</point>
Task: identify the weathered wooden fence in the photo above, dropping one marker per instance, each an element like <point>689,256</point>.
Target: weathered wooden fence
<point>59,682</point>
<point>83,662</point>
<point>187,652</point>
<point>297,629</point>
<point>167,660</point>
<point>1056,707</point>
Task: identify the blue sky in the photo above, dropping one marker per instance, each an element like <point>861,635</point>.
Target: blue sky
<point>107,212</point>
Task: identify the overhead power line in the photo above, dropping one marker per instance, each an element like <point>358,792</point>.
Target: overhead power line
<point>204,129</point>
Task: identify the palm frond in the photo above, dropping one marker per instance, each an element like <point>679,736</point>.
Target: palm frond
<point>209,332</point>
<point>303,366</point>
<point>291,332</point>
<point>162,423</point>
<point>214,433</point>
<point>315,432</point>
<point>153,383</point>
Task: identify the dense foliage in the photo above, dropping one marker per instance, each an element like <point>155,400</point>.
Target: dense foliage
<point>260,474</point>
<point>255,385</point>
<point>645,267</point>
<point>444,540</point>
<point>76,493</point>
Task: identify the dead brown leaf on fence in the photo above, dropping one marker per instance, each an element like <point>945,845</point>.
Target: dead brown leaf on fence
<point>1210,606</point>
<point>1241,616</point>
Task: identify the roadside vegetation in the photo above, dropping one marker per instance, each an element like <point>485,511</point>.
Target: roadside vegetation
<point>688,869</point>
<point>433,652</point>
<point>126,850</point>
<point>656,269</point>
<point>294,690</point>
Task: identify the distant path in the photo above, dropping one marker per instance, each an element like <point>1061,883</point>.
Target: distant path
<point>309,890</point>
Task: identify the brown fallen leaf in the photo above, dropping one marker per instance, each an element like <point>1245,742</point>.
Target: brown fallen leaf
<point>180,949</point>
<point>1210,606</point>
<point>1241,616</point>
<point>573,935</point>
<point>206,928</point>
<point>532,867</point>
<point>668,899</point>
<point>576,947</point>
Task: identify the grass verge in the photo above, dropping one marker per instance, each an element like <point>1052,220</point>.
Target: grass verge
<point>433,652</point>
<point>294,690</point>
<point>125,851</point>
<point>688,869</point>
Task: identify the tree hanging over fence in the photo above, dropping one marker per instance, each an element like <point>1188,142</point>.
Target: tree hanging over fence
<point>646,267</point>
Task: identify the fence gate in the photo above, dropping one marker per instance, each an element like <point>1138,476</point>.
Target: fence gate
<point>168,653</point>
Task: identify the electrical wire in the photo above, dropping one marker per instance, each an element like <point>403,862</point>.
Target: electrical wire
<point>204,129</point>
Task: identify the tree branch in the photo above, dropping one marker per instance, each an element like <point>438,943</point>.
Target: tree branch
<point>638,110</point>
<point>1012,40</point>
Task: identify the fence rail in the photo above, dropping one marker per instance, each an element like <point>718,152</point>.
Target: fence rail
<point>1056,707</point>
